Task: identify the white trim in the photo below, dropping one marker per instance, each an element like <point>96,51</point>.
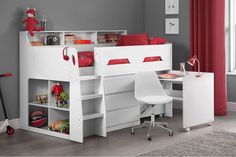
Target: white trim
<point>15,123</point>
<point>231,106</point>
<point>232,72</point>
<point>232,35</point>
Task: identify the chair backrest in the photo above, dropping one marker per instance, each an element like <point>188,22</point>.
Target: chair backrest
<point>148,84</point>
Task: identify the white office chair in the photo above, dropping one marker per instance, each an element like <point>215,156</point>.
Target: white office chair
<point>148,90</point>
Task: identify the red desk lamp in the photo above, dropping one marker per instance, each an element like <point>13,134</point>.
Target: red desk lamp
<point>192,62</point>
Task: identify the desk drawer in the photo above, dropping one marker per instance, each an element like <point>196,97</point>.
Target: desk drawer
<point>118,84</point>
<point>123,116</point>
<point>119,101</point>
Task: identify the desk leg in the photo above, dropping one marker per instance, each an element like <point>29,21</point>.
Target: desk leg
<point>187,129</point>
<point>169,106</point>
<point>169,110</point>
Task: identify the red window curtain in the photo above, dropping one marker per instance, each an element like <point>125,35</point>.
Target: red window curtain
<point>207,35</point>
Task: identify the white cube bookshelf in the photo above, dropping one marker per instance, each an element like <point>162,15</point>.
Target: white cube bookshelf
<point>42,66</point>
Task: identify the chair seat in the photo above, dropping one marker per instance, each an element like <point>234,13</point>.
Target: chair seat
<point>155,100</point>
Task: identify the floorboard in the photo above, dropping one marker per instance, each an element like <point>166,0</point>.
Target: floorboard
<point>25,143</point>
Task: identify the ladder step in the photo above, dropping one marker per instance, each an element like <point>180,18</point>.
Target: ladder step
<point>92,116</point>
<point>89,77</point>
<point>91,96</point>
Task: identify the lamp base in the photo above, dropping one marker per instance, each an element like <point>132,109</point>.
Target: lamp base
<point>199,75</point>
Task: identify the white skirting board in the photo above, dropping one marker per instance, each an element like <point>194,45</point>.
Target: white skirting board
<point>231,106</point>
<point>15,123</point>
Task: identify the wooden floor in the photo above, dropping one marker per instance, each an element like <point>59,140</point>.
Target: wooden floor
<point>118,143</point>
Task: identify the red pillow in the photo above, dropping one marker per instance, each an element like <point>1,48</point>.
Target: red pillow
<point>157,40</point>
<point>133,39</point>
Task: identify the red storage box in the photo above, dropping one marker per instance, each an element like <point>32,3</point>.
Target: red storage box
<point>118,61</point>
<point>80,41</point>
<point>86,58</point>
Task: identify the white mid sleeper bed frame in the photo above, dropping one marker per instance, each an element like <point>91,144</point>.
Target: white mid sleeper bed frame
<point>101,97</point>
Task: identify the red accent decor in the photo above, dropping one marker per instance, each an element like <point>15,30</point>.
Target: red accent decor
<point>31,22</point>
<point>133,39</point>
<point>192,62</point>
<point>56,90</point>
<point>39,122</point>
<point>81,41</point>
<point>86,58</point>
<point>73,59</point>
<point>157,40</point>
<point>64,53</point>
<point>6,75</point>
<point>118,61</point>
<point>207,25</point>
<point>152,59</point>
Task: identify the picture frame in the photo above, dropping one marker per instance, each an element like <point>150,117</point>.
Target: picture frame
<point>172,26</point>
<point>171,7</point>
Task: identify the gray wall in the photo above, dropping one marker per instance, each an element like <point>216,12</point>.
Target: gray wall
<point>155,25</point>
<point>231,88</point>
<point>62,15</point>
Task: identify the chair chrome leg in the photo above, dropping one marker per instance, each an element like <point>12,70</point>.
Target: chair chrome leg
<point>153,124</point>
<point>149,130</point>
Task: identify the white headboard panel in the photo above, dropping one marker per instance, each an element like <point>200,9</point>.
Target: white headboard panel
<point>135,55</point>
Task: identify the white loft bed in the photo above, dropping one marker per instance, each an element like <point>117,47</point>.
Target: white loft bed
<point>96,102</point>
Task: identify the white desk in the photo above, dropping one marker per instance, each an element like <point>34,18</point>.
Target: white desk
<point>197,96</point>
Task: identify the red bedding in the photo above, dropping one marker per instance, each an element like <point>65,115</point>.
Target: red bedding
<point>86,58</point>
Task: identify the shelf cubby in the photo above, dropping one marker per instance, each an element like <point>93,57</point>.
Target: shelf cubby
<point>39,38</point>
<point>57,115</point>
<point>82,35</point>
<point>37,88</point>
<point>52,99</point>
<point>37,108</point>
<point>109,37</point>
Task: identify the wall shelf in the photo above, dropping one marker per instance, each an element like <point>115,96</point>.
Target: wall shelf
<point>58,108</point>
<point>38,105</point>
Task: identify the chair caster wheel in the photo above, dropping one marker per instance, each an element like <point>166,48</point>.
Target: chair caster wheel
<point>171,133</point>
<point>132,132</point>
<point>10,130</point>
<point>149,138</point>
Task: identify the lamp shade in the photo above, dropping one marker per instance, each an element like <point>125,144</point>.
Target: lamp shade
<point>192,61</point>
